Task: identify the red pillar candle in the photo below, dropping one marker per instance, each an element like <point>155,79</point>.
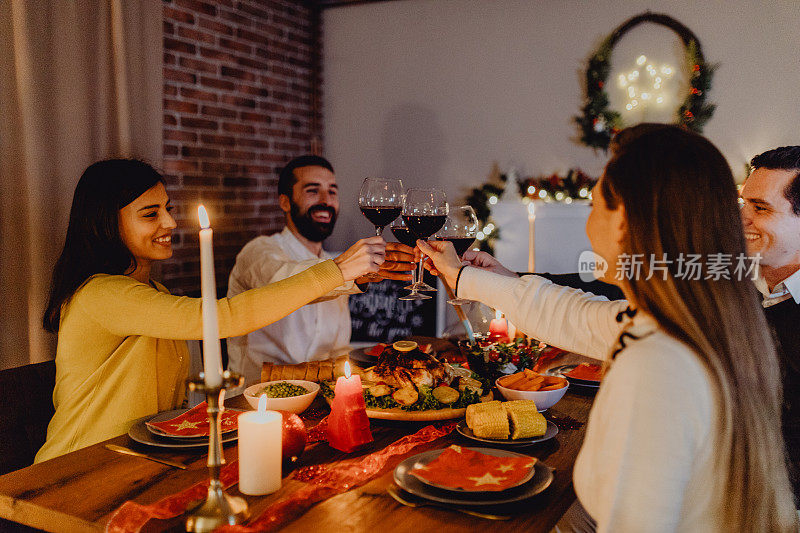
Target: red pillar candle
<point>348,425</point>
<point>498,328</point>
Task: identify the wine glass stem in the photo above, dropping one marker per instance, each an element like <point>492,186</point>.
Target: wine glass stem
<point>378,231</point>
<point>420,275</point>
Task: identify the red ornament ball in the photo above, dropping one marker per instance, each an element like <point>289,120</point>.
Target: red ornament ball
<point>294,436</point>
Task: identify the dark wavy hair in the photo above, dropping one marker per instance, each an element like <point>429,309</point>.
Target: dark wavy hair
<point>286,177</point>
<point>783,158</point>
<point>93,244</point>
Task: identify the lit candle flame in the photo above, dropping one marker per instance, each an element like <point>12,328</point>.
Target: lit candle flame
<point>347,369</point>
<point>498,314</point>
<point>262,404</point>
<point>202,214</point>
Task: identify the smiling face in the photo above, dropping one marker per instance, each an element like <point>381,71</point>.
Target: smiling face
<point>771,228</point>
<point>145,226</point>
<point>314,204</point>
<point>605,228</point>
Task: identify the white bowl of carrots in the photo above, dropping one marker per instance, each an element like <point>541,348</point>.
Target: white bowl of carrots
<point>545,391</point>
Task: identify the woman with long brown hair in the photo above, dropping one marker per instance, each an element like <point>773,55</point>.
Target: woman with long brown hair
<point>684,434</point>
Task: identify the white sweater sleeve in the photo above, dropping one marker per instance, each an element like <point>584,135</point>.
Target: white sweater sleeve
<point>647,440</point>
<point>560,316</point>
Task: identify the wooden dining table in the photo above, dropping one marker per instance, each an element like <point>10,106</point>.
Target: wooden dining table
<point>81,490</point>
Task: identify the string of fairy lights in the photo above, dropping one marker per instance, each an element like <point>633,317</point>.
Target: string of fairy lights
<point>647,86</point>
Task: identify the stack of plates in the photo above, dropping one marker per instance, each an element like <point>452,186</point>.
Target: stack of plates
<point>539,479</point>
<point>144,434</point>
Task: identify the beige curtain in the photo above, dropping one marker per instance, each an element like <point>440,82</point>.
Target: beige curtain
<point>80,80</point>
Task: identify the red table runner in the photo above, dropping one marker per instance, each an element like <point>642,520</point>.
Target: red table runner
<point>323,482</point>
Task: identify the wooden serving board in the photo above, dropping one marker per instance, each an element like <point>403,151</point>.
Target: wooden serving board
<point>413,416</point>
<point>416,416</point>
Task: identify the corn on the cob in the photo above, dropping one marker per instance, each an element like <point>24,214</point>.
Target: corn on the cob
<point>526,422</point>
<point>490,424</point>
<point>474,408</point>
<point>527,405</point>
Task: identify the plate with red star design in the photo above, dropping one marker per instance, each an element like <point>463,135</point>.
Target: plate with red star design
<point>190,423</point>
<point>526,479</point>
<point>141,433</point>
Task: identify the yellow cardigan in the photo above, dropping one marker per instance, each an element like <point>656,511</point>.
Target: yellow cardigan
<point>122,353</point>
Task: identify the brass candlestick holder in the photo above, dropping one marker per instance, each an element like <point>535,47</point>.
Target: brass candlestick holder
<point>218,508</point>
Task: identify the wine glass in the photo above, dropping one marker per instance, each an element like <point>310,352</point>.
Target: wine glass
<point>424,212</point>
<point>461,229</point>
<point>404,236</point>
<point>381,201</point>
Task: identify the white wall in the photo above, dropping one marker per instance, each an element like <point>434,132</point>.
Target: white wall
<point>434,91</point>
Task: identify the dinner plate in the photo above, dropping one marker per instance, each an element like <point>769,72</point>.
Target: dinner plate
<point>139,433</point>
<point>525,479</point>
<point>562,371</point>
<point>360,355</point>
<point>550,432</point>
<point>542,477</point>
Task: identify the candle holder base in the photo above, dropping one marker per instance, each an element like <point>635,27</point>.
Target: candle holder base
<point>218,509</point>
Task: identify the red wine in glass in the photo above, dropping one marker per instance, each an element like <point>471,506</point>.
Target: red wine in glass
<point>381,216</point>
<point>423,226</point>
<point>381,201</point>
<point>461,244</point>
<point>404,236</point>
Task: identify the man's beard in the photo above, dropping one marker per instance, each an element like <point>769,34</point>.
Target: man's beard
<point>309,228</point>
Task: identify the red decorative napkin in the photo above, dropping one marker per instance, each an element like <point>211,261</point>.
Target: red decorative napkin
<point>587,372</point>
<point>376,350</point>
<point>194,423</point>
<point>547,355</point>
<point>465,469</point>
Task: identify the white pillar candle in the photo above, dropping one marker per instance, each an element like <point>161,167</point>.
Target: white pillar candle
<point>212,355</point>
<point>260,434</point>
<point>531,237</point>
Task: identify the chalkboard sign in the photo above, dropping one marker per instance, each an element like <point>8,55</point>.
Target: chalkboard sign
<point>378,315</point>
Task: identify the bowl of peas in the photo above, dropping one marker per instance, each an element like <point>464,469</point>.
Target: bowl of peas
<point>293,395</point>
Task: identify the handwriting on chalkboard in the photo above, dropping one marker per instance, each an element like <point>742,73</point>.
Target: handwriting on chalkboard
<point>378,315</point>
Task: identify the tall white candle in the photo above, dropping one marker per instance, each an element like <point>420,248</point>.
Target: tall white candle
<point>260,441</point>
<point>212,356</point>
<point>531,237</point>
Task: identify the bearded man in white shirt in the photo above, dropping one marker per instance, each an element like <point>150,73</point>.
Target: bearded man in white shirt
<point>308,196</point>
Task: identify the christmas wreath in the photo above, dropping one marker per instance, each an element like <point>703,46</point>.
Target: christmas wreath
<point>598,123</point>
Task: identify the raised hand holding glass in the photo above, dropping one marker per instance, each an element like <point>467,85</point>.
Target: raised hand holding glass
<point>424,212</point>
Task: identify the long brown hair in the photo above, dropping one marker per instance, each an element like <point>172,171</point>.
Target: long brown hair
<point>679,198</point>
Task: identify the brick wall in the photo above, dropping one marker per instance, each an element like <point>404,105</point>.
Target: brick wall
<point>239,86</point>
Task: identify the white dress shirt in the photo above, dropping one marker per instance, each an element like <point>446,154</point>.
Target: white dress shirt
<point>648,459</point>
<point>788,288</point>
<point>320,330</point>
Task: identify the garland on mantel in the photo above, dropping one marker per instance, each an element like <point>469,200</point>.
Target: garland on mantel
<point>574,186</point>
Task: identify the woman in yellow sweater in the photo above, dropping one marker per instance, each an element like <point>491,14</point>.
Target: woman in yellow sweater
<point>121,351</point>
